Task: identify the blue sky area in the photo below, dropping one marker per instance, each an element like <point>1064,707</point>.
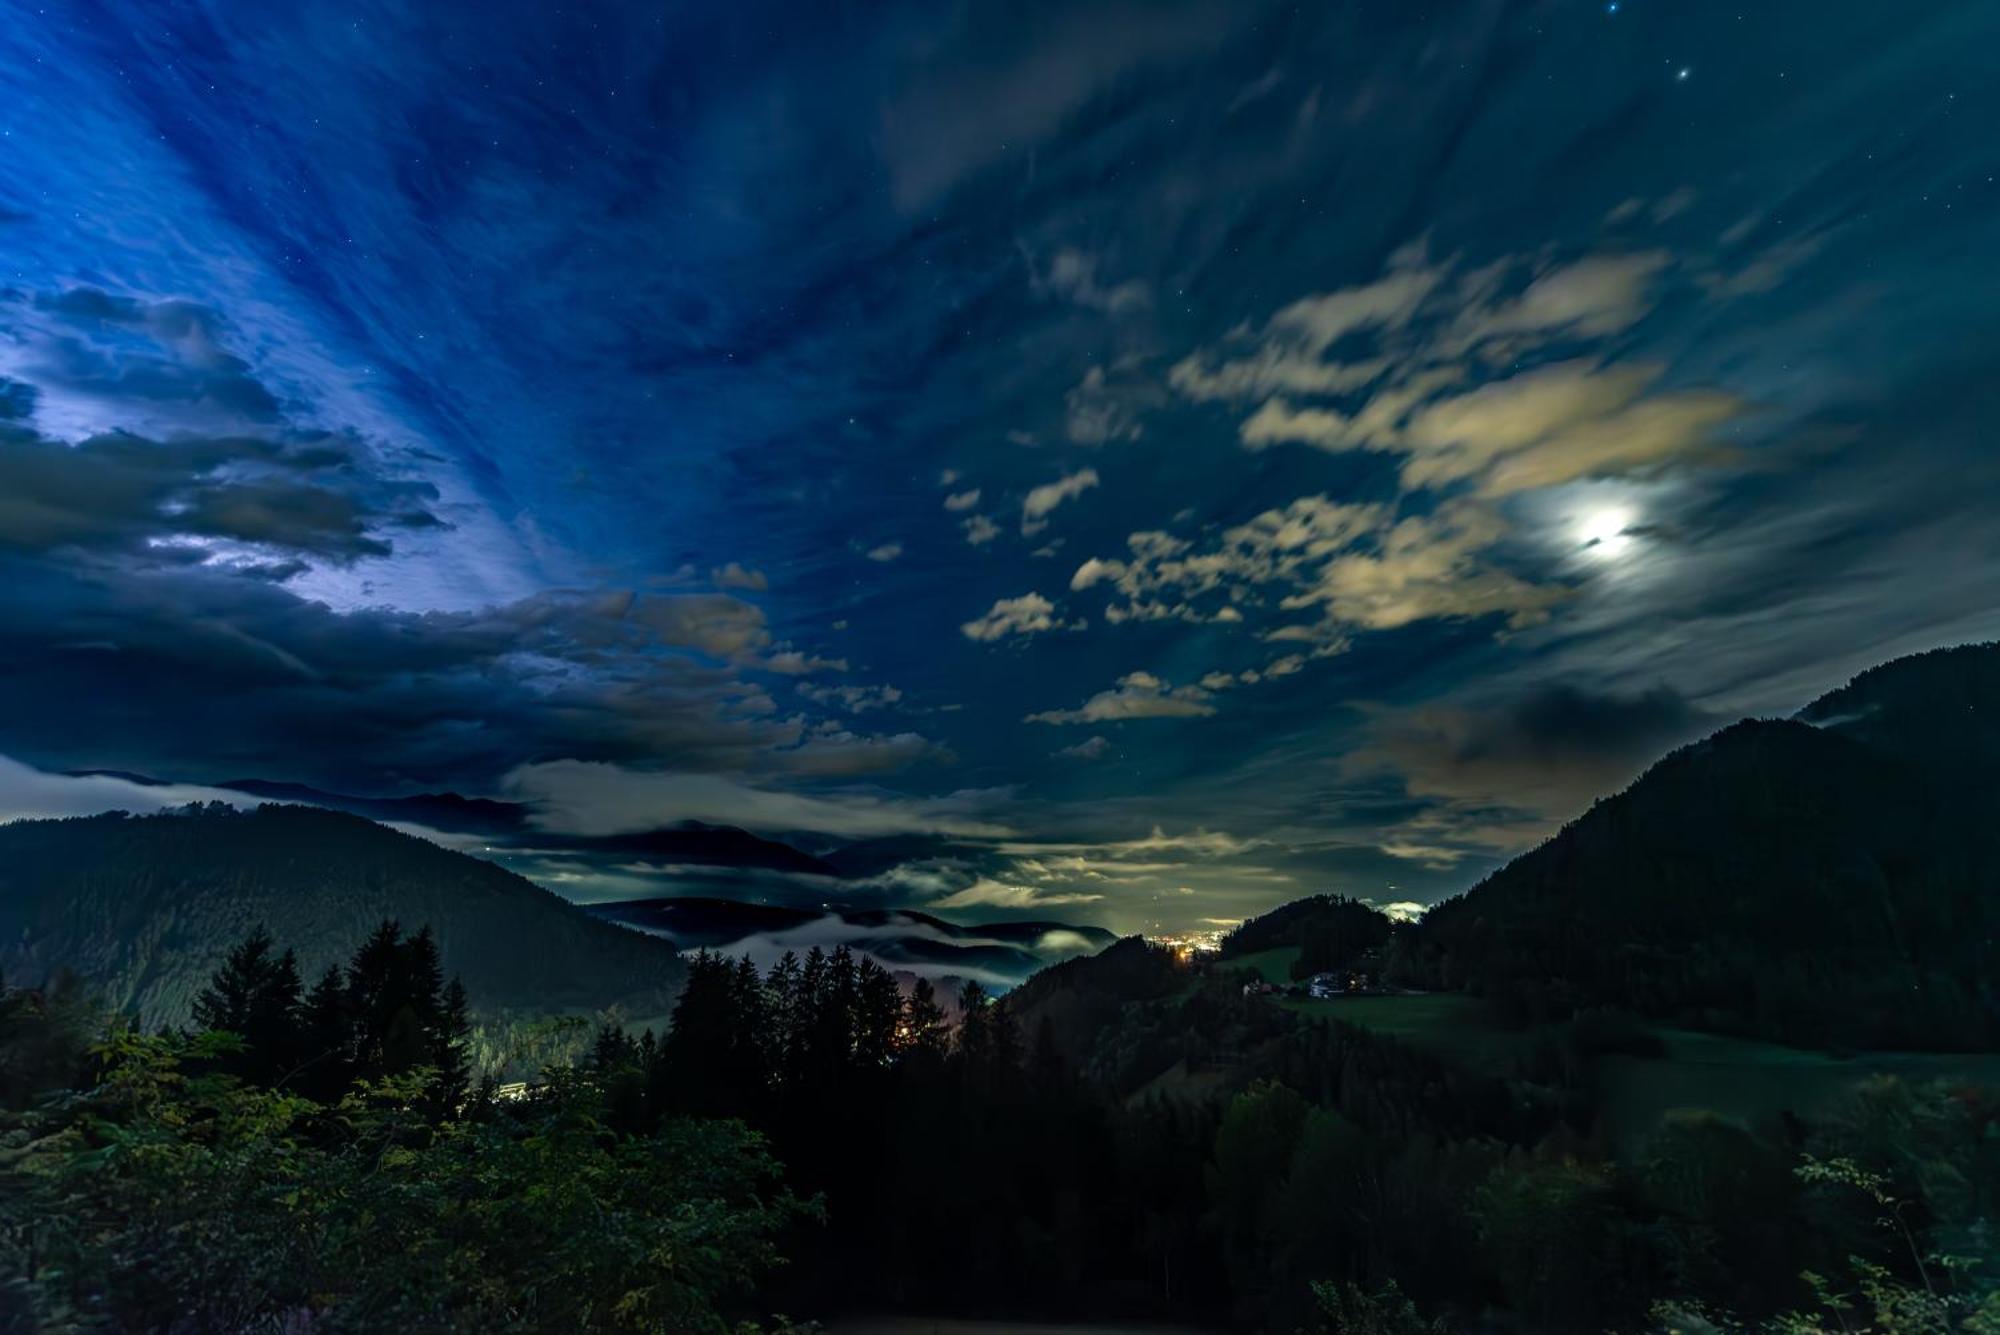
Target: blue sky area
<point>1161,459</point>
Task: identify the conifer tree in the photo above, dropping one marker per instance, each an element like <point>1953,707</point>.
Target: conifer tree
<point>255,996</point>
<point>453,1051</point>
<point>974,1045</point>
<point>879,1015</point>
<point>226,1003</point>
<point>924,1031</point>
<point>326,1035</point>
<point>372,995</point>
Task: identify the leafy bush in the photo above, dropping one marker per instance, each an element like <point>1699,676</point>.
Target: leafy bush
<point>171,1195</point>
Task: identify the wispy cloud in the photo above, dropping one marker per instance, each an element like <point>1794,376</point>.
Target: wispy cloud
<point>586,798</point>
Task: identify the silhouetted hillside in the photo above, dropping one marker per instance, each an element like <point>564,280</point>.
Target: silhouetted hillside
<point>703,845</point>
<point>145,907</point>
<point>1835,884</point>
<point>1330,931</point>
<point>439,811</point>
<point>1940,710</point>
<point>1081,998</point>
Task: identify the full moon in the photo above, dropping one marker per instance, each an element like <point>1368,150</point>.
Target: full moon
<point>1605,531</point>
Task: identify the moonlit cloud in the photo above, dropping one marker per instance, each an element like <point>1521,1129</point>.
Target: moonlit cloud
<point>1036,506</point>
<point>979,530</point>
<point>854,699</point>
<point>986,893</point>
<point>27,793</point>
<point>735,576</point>
<point>1355,565</point>
<point>1072,275</point>
<point>1137,695</point>
<point>1418,394</point>
<point>1029,614</point>
<point>1557,424</point>
<point>1100,412</point>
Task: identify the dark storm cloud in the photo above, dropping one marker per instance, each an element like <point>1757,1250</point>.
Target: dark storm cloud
<point>168,666</point>
<point>223,468</point>
<point>141,627</point>
<point>311,496</point>
<point>1543,755</point>
<point>139,580</point>
<point>167,354</point>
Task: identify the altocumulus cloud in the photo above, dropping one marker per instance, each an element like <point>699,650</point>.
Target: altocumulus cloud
<point>989,893</point>
<point>1406,365</point>
<point>1039,503</point>
<point>1029,614</point>
<point>1137,695</point>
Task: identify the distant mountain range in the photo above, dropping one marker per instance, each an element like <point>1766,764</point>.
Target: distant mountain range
<point>902,940</point>
<point>689,843</point>
<point>1828,880</point>
<point>447,812</point>
<point>1832,878</point>
<point>145,906</point>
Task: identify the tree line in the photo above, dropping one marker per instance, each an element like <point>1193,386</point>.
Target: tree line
<point>990,1167</point>
<point>905,1150</point>
<point>322,1158</point>
<point>388,1012</point>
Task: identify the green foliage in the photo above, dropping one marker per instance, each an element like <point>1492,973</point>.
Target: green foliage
<point>1549,1228</point>
<point>1349,1309</point>
<point>171,1193</point>
<point>1908,1177</point>
<point>1160,1144</point>
<point>44,1033</point>
<point>1253,1151</point>
<point>907,1127</point>
<point>1727,1208</point>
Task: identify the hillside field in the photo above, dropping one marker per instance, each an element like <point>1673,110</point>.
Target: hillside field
<point>1742,1079</point>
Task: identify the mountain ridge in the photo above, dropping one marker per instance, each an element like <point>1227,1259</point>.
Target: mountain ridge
<point>145,906</point>
<point>688,842</point>
<point>1823,878</point>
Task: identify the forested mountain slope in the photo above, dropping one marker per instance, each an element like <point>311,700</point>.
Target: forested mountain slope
<point>1829,879</point>
<point>144,907</point>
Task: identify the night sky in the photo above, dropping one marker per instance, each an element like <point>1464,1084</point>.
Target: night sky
<point>1162,459</point>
